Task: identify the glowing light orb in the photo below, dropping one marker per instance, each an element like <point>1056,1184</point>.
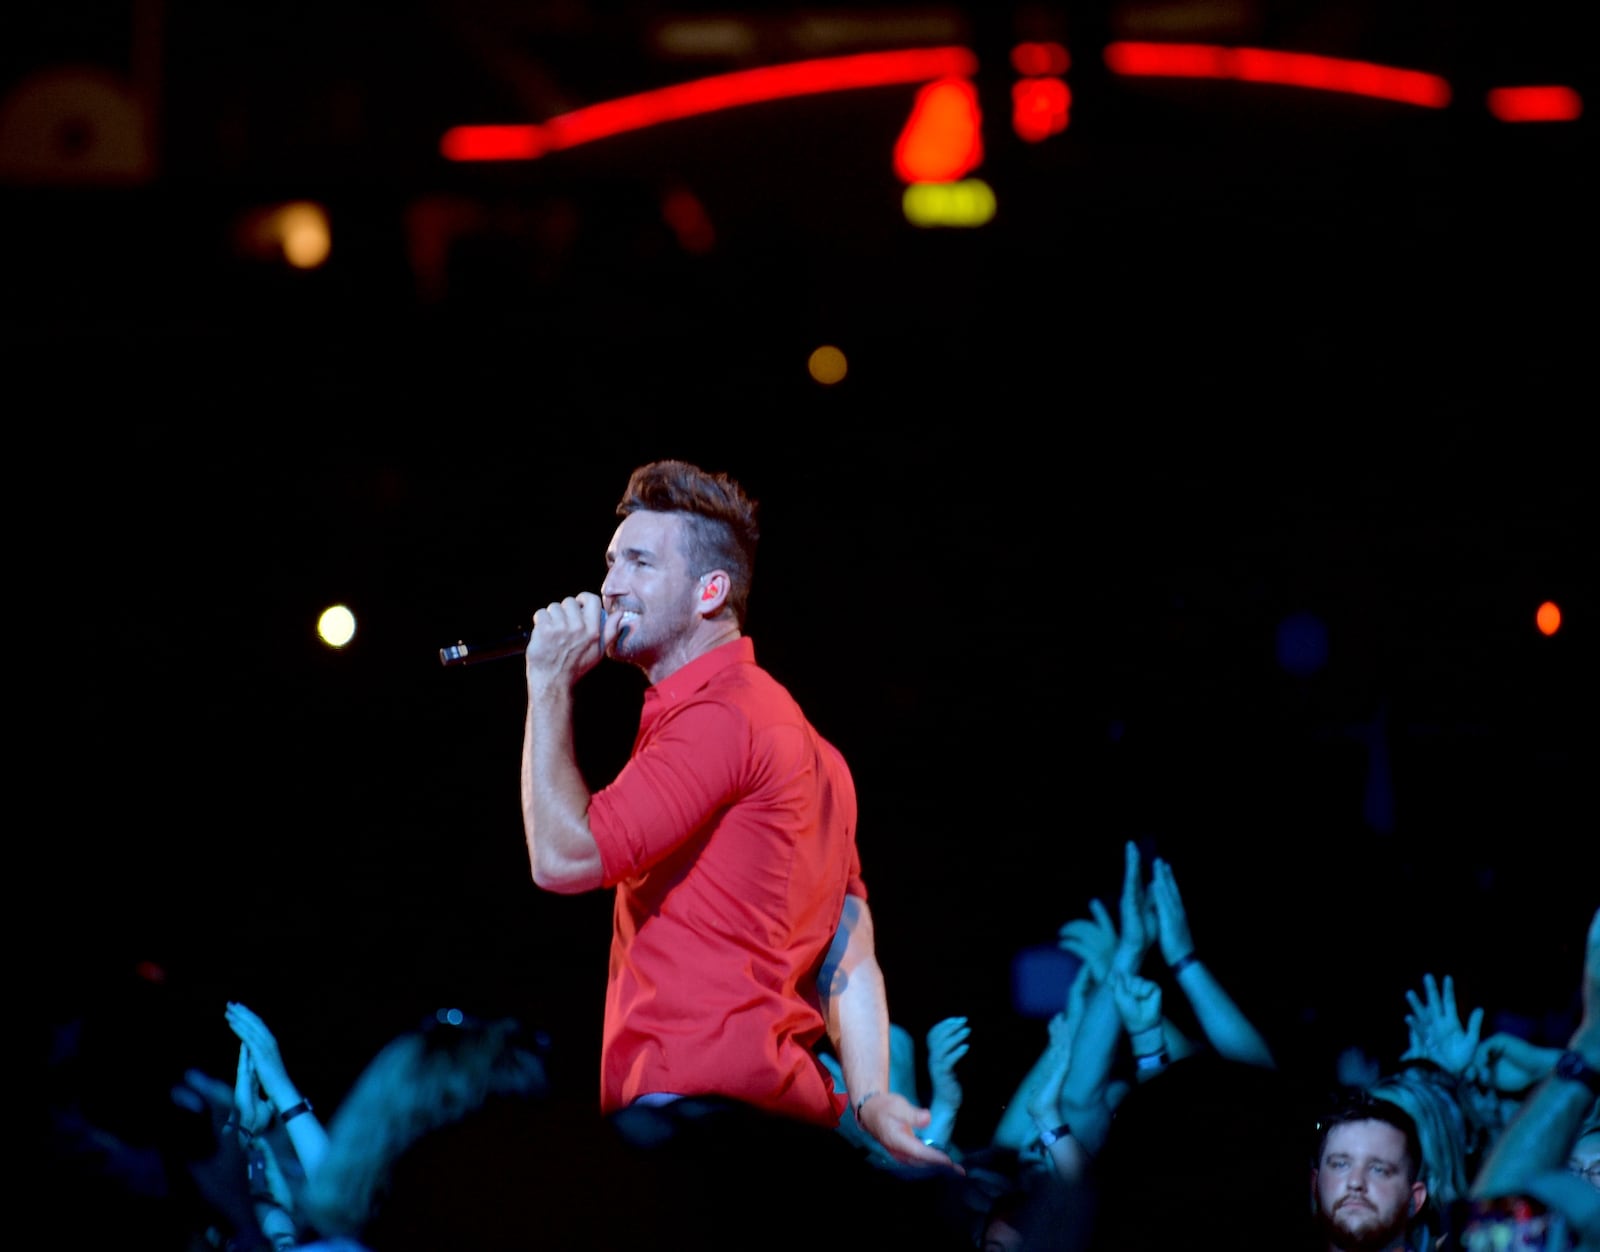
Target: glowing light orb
<point>337,626</point>
<point>827,365</point>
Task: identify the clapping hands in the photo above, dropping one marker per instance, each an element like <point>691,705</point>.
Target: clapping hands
<point>262,1045</point>
<point>1172,921</point>
<point>1099,943</point>
<point>251,1107</point>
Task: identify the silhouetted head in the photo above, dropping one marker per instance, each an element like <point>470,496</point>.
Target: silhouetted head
<point>418,1083</point>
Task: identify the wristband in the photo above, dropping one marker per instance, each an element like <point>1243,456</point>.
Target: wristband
<point>1183,962</point>
<point>1151,1061</point>
<point>1571,1066</point>
<point>294,1110</point>
<point>862,1102</point>
<point>1048,1137</point>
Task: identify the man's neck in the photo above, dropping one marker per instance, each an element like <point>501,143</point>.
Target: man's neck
<point>692,649</point>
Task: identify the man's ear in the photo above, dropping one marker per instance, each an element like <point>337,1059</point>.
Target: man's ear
<point>713,592</point>
<point>1419,1197</point>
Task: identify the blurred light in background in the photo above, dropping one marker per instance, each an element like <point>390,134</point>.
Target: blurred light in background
<point>297,232</point>
<point>75,125</point>
<point>1041,976</point>
<point>1302,644</point>
<point>970,202</point>
<point>1548,618</point>
<point>683,212</point>
<point>1036,60</point>
<point>1283,69</point>
<point>942,140</point>
<point>827,365</point>
<point>1039,108</point>
<point>337,626</point>
<point>1535,104</point>
<point>706,95</point>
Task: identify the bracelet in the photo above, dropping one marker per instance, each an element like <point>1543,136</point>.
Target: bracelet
<point>294,1110</point>
<point>1048,1137</point>
<point>1183,962</point>
<point>862,1102</point>
<point>1151,1061</point>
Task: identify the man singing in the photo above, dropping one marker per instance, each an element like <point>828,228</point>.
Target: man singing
<point>741,932</point>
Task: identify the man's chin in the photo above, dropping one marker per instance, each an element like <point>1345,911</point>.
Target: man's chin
<point>1360,1229</point>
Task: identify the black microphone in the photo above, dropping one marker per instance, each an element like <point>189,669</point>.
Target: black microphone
<point>463,653</point>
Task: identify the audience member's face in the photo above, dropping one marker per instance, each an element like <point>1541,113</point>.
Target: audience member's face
<point>1585,1158</point>
<point>1487,1108</point>
<point>1362,1189</point>
<point>1001,1236</point>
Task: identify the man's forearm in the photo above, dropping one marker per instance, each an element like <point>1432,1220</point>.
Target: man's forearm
<point>1537,1138</point>
<point>555,799</point>
<point>855,1005</point>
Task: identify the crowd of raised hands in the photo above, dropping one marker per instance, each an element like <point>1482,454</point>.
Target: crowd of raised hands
<point>1491,1120</point>
<point>1494,1118</point>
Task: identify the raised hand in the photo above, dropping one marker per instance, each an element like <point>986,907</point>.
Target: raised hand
<point>1436,1030</point>
<point>947,1044</point>
<point>1138,930</point>
<point>262,1045</point>
<point>1172,920</point>
<point>1092,940</point>
<point>251,1107</point>
<point>1509,1063</point>
<point>1138,1002</point>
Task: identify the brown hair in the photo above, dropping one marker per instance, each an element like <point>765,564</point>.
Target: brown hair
<point>721,533</point>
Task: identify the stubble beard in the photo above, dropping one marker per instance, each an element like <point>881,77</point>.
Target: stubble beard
<point>1362,1230</point>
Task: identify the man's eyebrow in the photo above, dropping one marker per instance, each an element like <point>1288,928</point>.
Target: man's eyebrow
<point>631,554</point>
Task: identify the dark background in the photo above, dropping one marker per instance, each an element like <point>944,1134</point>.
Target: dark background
<point>1226,354</point>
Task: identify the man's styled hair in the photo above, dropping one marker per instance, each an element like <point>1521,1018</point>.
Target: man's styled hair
<point>721,533</point>
<point>1361,1105</point>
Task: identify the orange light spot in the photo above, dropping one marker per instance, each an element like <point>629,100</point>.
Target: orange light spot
<point>1535,104</point>
<point>942,139</point>
<point>1548,618</point>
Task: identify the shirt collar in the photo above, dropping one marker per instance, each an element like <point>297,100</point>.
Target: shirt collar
<point>684,681</point>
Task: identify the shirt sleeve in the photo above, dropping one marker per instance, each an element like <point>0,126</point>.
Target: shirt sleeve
<point>670,788</point>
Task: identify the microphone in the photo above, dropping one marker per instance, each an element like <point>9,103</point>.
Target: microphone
<point>464,653</point>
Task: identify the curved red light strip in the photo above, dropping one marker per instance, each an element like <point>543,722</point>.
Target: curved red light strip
<point>1287,69</point>
<point>706,95</point>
